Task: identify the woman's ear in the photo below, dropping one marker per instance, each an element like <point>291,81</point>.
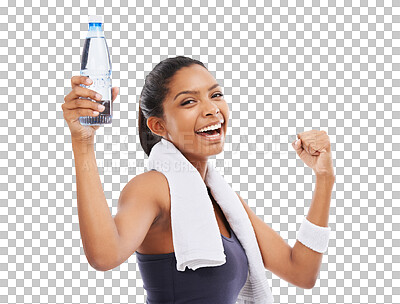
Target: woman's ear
<point>156,125</point>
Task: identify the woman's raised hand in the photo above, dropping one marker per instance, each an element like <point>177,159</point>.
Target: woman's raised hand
<point>314,149</point>
<point>75,107</point>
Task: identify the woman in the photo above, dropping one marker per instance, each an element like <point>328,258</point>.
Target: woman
<point>179,98</point>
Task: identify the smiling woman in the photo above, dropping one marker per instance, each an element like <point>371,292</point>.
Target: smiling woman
<point>183,103</point>
<point>182,110</point>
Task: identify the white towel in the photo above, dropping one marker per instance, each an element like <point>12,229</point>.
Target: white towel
<point>193,218</point>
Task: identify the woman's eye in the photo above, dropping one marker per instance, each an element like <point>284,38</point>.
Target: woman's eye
<point>185,102</point>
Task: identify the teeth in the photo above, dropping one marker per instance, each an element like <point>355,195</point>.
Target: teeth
<point>213,127</point>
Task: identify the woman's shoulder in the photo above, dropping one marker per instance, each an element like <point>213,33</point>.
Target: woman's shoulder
<point>157,185</point>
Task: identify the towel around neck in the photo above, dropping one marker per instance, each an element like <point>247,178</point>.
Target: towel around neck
<point>195,232</point>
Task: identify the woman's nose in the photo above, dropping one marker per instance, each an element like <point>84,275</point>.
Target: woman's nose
<point>211,108</point>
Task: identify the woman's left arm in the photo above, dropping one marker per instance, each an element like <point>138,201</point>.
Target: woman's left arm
<point>314,149</point>
<point>300,265</point>
<point>307,261</point>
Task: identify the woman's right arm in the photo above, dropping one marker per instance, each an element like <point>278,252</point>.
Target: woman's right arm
<point>98,230</point>
<point>108,241</point>
<point>104,240</point>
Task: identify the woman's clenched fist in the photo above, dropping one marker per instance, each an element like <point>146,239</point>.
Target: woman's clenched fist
<point>314,149</point>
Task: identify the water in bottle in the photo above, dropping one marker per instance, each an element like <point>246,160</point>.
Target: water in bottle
<point>96,64</point>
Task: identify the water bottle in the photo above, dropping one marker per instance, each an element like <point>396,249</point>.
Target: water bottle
<point>96,64</point>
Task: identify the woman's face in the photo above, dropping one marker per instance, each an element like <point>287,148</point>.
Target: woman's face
<point>186,113</point>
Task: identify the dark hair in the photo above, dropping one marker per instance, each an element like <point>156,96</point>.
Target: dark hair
<point>154,91</point>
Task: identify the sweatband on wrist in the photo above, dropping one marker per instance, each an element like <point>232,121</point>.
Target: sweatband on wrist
<point>313,236</point>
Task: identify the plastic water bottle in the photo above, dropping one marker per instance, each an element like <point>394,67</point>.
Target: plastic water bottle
<point>96,64</point>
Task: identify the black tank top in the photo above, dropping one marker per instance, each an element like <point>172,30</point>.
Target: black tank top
<point>164,284</point>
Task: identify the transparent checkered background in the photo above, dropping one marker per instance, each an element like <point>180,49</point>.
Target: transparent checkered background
<point>285,66</point>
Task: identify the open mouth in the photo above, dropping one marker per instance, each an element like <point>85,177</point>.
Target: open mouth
<point>211,133</point>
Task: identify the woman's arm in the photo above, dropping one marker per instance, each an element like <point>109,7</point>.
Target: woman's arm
<point>97,226</point>
<point>108,241</point>
<point>98,230</point>
<point>275,251</point>
<point>307,261</point>
<point>298,265</point>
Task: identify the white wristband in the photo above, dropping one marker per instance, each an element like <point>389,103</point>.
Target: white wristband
<point>313,236</point>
